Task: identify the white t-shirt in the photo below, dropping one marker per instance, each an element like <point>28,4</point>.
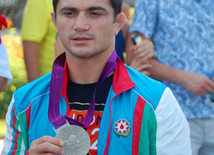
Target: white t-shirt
<point>4,63</point>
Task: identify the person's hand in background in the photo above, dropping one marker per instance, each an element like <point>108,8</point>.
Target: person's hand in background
<point>143,51</point>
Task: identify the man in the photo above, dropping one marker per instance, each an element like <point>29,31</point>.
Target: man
<point>91,88</point>
<point>183,34</point>
<point>39,36</point>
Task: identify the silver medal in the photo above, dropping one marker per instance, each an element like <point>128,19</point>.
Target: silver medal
<point>76,139</point>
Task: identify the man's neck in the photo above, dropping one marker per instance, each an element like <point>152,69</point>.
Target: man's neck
<point>85,71</point>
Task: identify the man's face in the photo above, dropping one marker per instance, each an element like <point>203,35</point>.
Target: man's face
<point>86,27</point>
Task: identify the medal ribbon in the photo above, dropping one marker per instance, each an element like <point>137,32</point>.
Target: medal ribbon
<point>56,89</point>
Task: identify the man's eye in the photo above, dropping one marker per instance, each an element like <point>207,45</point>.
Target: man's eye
<point>69,13</point>
<point>95,14</point>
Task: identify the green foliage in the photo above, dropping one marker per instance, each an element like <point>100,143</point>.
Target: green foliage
<point>19,79</point>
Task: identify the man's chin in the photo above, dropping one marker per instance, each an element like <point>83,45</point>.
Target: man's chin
<point>80,53</point>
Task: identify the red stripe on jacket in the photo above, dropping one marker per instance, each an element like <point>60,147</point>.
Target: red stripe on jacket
<point>138,117</point>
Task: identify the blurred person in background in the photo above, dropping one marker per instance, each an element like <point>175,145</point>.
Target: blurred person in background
<point>39,35</point>
<point>5,74</point>
<point>183,36</point>
<point>127,7</point>
<point>126,10</point>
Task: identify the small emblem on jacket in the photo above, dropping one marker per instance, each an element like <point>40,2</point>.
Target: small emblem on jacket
<point>122,128</point>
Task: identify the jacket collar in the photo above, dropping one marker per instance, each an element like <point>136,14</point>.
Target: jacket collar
<point>121,80</point>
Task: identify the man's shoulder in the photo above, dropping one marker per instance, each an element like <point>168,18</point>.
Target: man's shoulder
<point>36,86</point>
<point>144,81</point>
<point>149,89</point>
<point>25,95</point>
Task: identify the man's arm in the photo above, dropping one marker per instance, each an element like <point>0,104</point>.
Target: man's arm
<point>14,138</point>
<point>3,84</point>
<point>31,57</point>
<point>173,133</point>
<point>196,83</point>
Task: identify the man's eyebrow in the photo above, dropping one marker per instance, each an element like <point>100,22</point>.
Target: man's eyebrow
<point>68,9</point>
<point>89,9</point>
<point>97,8</point>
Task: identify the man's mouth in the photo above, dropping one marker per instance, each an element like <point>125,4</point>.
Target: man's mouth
<point>81,40</point>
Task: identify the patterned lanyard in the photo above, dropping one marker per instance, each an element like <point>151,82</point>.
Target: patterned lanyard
<point>56,88</point>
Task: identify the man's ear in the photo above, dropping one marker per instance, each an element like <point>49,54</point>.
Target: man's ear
<point>53,17</point>
<point>120,20</point>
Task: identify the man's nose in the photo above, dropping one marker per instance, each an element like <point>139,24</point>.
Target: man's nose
<point>81,23</point>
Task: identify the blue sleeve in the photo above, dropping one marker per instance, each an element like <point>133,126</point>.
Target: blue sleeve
<point>145,17</point>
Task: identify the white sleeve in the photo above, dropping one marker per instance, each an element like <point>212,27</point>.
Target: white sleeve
<point>173,133</point>
<point>4,63</point>
<point>13,135</point>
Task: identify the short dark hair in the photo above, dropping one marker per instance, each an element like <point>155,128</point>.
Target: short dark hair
<point>116,5</point>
